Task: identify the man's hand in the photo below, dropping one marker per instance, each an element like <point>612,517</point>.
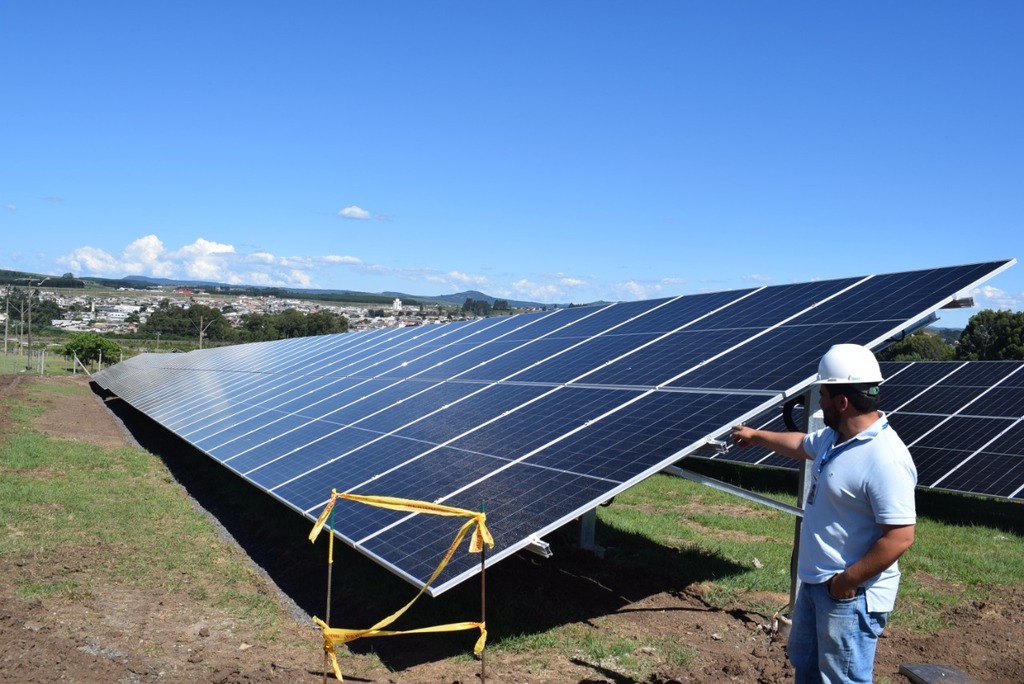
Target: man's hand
<point>786,443</point>
<point>743,436</point>
<point>840,588</point>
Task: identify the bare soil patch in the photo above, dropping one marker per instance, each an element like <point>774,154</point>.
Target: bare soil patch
<point>113,635</point>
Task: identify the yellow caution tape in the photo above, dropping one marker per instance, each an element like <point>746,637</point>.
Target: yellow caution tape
<point>322,520</point>
<point>334,636</point>
<point>481,535</point>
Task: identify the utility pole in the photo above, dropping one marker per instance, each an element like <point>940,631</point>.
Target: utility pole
<point>7,315</point>
<point>28,364</point>
<point>202,329</point>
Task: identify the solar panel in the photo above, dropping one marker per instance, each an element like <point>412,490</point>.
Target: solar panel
<point>540,416</point>
<point>962,420</point>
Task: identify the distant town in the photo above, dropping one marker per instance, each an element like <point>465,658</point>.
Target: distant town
<point>126,310</point>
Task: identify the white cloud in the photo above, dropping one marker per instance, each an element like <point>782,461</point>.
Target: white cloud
<point>758,278</point>
<point>204,260</point>
<point>301,278</point>
<point>354,212</point>
<point>335,259</point>
<point>91,260</point>
<point>551,288</point>
<point>466,278</point>
<point>147,256</point>
<point>988,297</point>
<point>632,289</point>
<point>10,207</point>
<point>544,292</point>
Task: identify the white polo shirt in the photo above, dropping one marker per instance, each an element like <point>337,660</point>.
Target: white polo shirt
<point>864,482</point>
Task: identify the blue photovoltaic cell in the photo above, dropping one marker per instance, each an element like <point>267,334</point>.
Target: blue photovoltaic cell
<point>513,497</point>
<point>530,426</point>
<point>542,416</point>
<point>625,337</point>
<point>641,435</point>
<point>352,471</point>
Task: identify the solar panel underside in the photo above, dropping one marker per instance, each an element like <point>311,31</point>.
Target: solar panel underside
<point>540,416</point>
<point>962,420</point>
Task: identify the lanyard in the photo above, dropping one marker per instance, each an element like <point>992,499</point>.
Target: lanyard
<point>832,453</point>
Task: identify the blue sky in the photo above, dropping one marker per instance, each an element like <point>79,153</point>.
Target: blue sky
<point>548,151</point>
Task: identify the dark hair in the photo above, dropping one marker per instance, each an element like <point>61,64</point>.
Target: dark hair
<point>863,396</point>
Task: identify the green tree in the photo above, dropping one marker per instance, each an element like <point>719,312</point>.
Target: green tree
<point>290,323</point>
<point>43,313</point>
<point>89,347</point>
<point>480,307</point>
<point>174,322</point>
<point>325,323</point>
<point>921,346</point>
<point>257,327</point>
<point>993,336</point>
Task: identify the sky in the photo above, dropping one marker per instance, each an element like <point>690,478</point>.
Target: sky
<point>555,152</point>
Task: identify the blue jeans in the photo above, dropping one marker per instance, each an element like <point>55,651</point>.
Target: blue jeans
<point>833,641</point>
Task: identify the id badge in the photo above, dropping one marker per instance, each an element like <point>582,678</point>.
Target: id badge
<point>810,494</point>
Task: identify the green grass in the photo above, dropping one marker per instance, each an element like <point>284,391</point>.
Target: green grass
<point>949,562</point>
<point>15,363</point>
<point>683,515</point>
<point>60,495</point>
<point>635,656</point>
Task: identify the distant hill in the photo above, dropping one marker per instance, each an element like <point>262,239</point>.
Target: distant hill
<point>948,335</point>
<point>457,299</point>
<point>21,278</point>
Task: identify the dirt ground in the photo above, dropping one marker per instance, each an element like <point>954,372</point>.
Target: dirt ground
<point>114,636</point>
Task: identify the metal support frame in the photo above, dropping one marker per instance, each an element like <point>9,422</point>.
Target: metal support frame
<point>812,421</point>
<point>588,527</point>
<point>540,547</point>
<point>733,489</point>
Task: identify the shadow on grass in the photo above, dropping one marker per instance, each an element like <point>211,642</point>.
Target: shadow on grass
<point>947,507</point>
<point>525,594</point>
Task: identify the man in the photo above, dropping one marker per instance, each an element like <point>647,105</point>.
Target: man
<point>859,518</point>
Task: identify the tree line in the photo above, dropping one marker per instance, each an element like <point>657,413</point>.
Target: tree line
<point>989,336</point>
<point>170,322</point>
<point>174,322</point>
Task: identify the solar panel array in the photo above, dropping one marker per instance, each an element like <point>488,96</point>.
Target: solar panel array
<point>962,420</point>
<point>540,416</point>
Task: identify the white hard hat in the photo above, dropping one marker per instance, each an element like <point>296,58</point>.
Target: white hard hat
<point>848,364</point>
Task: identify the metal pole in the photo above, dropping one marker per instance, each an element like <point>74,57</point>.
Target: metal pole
<point>7,315</point>
<point>28,359</point>
<point>812,421</point>
<point>330,577</point>
<point>483,603</point>
<point>28,365</point>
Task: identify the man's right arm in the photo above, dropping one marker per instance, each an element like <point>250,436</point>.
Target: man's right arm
<point>789,444</point>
